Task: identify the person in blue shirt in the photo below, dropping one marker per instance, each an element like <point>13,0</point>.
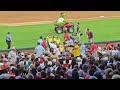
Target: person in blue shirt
<point>73,35</point>
<point>83,49</point>
<point>71,42</point>
<point>39,49</point>
<point>8,40</point>
<point>40,40</point>
<point>118,53</point>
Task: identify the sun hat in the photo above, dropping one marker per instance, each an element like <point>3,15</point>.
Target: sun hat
<point>13,48</point>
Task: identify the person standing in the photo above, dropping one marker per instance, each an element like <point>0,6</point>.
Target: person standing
<point>12,56</point>
<point>58,41</point>
<point>8,40</point>
<point>71,42</point>
<point>118,53</point>
<point>78,31</point>
<point>73,36</point>
<point>44,43</point>
<point>94,49</point>
<point>109,46</point>
<point>40,40</point>
<point>50,39</point>
<point>66,36</point>
<point>54,39</point>
<point>76,50</point>
<point>89,34</point>
<point>83,49</point>
<point>39,49</point>
<point>61,48</point>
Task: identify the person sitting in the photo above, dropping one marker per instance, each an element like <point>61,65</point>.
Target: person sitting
<point>61,21</point>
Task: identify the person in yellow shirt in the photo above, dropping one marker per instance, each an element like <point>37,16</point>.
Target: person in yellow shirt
<point>58,41</point>
<point>76,50</point>
<point>50,39</point>
<point>47,37</point>
<point>61,48</point>
<point>54,39</point>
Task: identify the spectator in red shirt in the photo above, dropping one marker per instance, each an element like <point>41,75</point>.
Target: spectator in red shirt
<point>68,56</point>
<point>109,46</point>
<point>44,43</point>
<point>88,50</point>
<point>66,36</point>
<point>94,48</point>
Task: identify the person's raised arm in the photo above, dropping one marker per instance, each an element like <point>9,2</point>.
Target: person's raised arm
<point>85,31</point>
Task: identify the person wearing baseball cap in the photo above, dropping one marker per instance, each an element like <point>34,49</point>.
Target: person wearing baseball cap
<point>12,55</point>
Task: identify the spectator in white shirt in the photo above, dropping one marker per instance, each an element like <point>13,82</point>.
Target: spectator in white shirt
<point>12,55</point>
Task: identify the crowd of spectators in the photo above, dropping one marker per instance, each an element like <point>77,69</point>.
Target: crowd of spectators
<point>53,59</point>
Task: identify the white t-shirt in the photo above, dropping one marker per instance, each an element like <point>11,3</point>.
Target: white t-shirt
<point>104,53</point>
<point>105,58</point>
<point>49,63</point>
<point>57,51</point>
<point>12,55</point>
<point>60,19</point>
<point>52,45</point>
<point>96,58</point>
<point>42,65</point>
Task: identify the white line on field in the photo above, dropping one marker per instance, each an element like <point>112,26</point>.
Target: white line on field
<point>48,22</point>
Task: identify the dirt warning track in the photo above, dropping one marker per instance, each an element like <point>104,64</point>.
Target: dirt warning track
<point>13,18</point>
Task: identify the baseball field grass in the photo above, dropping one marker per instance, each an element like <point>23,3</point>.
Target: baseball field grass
<point>27,36</point>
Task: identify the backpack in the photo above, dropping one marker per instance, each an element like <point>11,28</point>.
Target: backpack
<point>91,35</point>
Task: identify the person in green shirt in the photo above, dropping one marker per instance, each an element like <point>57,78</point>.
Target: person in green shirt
<point>61,21</point>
